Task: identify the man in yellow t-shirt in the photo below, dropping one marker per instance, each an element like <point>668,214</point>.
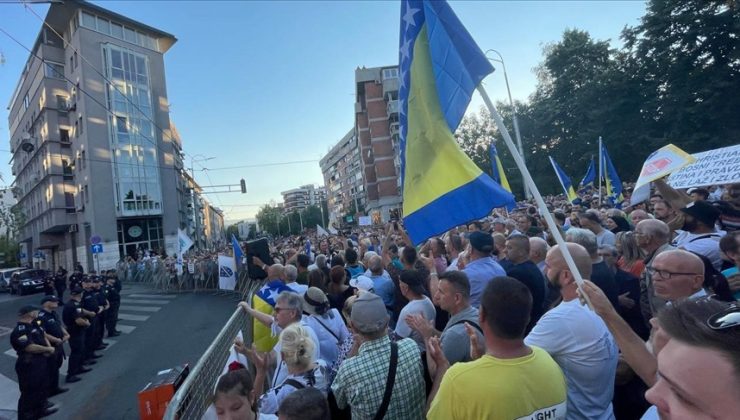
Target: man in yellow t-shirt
<point>512,380</point>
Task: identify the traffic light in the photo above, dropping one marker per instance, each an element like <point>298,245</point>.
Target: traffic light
<point>244,186</point>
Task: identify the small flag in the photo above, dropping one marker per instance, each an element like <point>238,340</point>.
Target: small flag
<point>238,254</point>
<point>439,67</point>
<point>611,179</point>
<point>590,177</point>
<point>321,231</point>
<point>184,241</point>
<point>226,273</point>
<point>497,170</point>
<point>564,181</point>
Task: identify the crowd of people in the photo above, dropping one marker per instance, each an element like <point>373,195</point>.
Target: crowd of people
<point>89,312</point>
<point>489,321</point>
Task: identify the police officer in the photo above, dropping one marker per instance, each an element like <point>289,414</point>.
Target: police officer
<point>102,315</point>
<point>76,323</point>
<point>57,335</point>
<point>114,300</point>
<point>29,341</point>
<point>75,280</point>
<point>48,283</point>
<point>91,309</point>
<point>60,282</point>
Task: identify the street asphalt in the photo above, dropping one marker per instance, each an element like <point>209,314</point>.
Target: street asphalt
<point>160,331</point>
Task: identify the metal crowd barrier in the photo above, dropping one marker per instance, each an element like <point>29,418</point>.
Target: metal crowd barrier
<point>195,394</point>
<point>203,279</point>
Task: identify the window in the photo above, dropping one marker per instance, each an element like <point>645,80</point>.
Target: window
<point>69,202</point>
<point>121,125</point>
<point>129,35</point>
<point>81,128</point>
<point>54,70</point>
<point>63,135</point>
<point>104,25</point>
<point>77,129</point>
<point>75,59</point>
<point>116,30</point>
<point>390,73</point>
<point>26,102</point>
<point>86,194</point>
<point>61,102</point>
<point>83,164</point>
<point>88,20</point>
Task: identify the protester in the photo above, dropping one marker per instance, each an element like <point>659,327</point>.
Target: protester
<point>303,370</point>
<point>699,232</point>
<point>578,340</point>
<point>653,239</point>
<point>454,246</point>
<point>304,404</point>
<point>630,255</point>
<point>629,292</point>
<point>511,380</point>
<point>591,220</point>
<point>235,398</point>
<point>326,322</point>
<point>730,246</point>
<point>524,270</point>
<point>337,289</point>
<point>412,289</point>
<point>600,273</point>
<point>537,252</point>
<point>481,268</point>
<point>362,380</point>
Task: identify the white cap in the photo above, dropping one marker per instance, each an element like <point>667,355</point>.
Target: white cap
<point>363,283</point>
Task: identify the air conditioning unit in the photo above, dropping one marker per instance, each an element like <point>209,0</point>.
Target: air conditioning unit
<point>73,228</point>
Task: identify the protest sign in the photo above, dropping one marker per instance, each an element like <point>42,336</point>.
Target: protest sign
<point>713,167</point>
<point>660,163</point>
<point>365,221</point>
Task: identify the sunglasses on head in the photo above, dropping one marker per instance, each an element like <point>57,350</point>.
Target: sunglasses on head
<point>727,318</point>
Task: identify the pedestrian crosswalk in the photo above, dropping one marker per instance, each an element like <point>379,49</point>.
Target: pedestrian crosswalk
<point>136,308</point>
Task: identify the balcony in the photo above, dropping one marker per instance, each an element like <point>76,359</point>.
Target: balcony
<point>392,108</point>
<point>390,85</point>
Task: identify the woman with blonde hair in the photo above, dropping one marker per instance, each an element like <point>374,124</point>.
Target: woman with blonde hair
<point>630,255</point>
<point>297,351</point>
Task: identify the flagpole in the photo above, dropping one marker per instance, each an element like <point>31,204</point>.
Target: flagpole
<point>601,169</point>
<point>529,182</point>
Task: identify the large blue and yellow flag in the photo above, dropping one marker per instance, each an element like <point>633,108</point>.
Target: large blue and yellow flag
<point>564,181</point>
<point>440,66</point>
<point>264,301</point>
<point>497,170</point>
<point>611,179</point>
<point>590,178</point>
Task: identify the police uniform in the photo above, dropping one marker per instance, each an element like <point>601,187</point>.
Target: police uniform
<point>72,312</point>
<point>50,323</point>
<point>75,280</point>
<point>49,284</point>
<point>114,300</point>
<point>30,367</point>
<point>90,303</point>
<point>60,282</point>
<point>100,327</point>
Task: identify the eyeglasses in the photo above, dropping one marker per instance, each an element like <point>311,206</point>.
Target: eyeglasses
<point>728,318</point>
<point>667,274</point>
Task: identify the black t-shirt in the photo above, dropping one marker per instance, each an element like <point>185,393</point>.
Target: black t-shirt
<point>529,274</point>
<point>50,322</point>
<point>337,301</point>
<point>603,277</point>
<point>26,333</point>
<point>71,312</point>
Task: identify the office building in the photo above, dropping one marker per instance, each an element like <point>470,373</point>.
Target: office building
<point>93,154</point>
<point>377,128</point>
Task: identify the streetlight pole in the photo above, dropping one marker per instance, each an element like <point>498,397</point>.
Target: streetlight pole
<point>513,112</point>
<point>196,210</point>
<point>300,217</point>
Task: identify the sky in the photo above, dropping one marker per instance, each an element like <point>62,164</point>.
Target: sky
<point>258,82</point>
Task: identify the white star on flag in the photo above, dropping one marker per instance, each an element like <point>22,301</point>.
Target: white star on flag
<point>405,49</point>
<point>273,295</point>
<point>409,16</point>
<point>400,105</point>
<point>403,79</point>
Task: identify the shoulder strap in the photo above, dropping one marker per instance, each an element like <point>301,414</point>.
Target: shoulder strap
<point>473,324</point>
<point>327,328</point>
<point>294,383</point>
<point>709,235</point>
<point>389,383</point>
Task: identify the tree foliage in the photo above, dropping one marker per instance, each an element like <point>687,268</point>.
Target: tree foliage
<point>675,80</point>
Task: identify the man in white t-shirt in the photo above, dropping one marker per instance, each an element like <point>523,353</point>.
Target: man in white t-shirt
<point>412,288</point>
<point>699,234</point>
<point>578,340</point>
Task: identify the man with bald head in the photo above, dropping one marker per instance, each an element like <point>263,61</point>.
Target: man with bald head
<point>677,274</point>
<point>653,237</point>
<point>638,216</point>
<point>578,340</point>
<point>538,252</point>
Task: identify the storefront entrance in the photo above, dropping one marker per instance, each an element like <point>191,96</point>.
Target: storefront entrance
<point>135,236</point>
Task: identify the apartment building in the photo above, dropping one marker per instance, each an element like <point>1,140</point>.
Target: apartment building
<point>377,128</point>
<point>304,196</point>
<point>343,180</point>
<point>93,154</point>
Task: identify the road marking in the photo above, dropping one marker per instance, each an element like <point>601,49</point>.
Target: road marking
<point>126,329</point>
<point>151,296</point>
<point>140,308</point>
<point>147,301</point>
<point>12,353</point>
<point>10,395</point>
<point>5,330</point>
<point>130,317</point>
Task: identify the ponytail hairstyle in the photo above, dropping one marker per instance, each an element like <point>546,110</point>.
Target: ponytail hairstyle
<point>297,347</point>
